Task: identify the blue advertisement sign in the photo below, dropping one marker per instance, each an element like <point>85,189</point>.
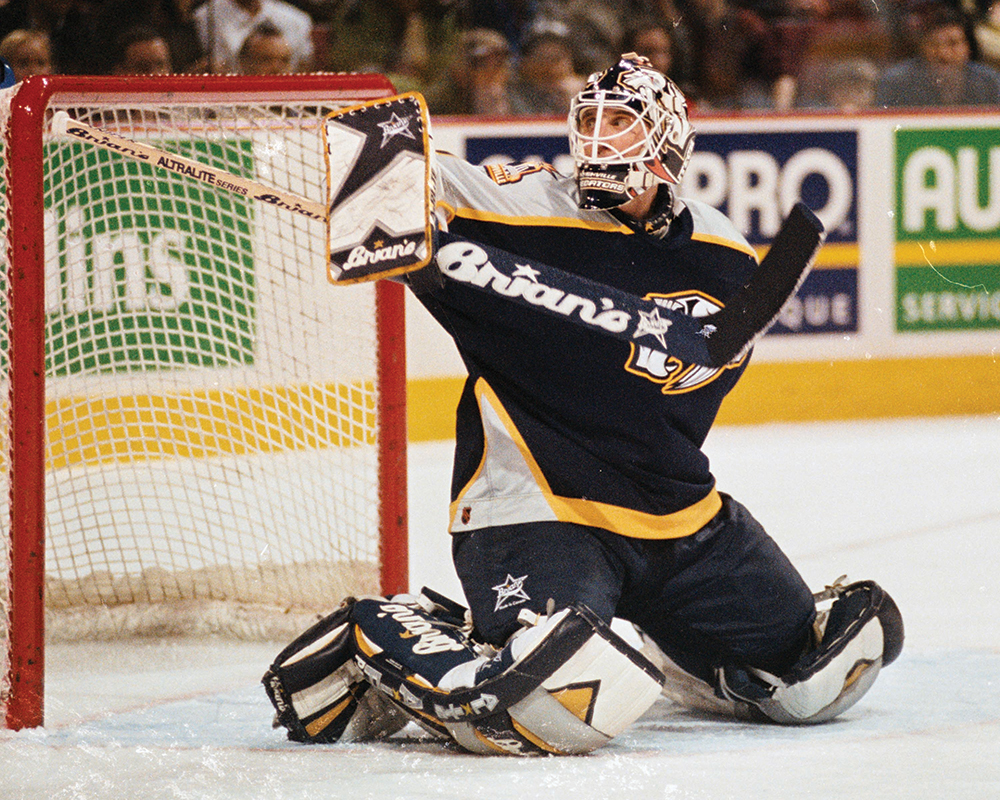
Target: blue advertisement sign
<point>754,177</point>
<point>514,149</point>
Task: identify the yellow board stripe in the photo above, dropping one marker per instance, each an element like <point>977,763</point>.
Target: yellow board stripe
<point>948,253</point>
<point>203,423</point>
<point>830,256</point>
<point>793,391</point>
<point>864,389</point>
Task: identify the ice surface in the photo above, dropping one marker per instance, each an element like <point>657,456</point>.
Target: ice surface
<point>913,504</point>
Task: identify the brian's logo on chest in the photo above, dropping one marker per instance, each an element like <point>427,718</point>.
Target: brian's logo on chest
<point>648,356</point>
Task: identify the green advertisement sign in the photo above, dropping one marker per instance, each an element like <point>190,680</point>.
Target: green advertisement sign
<point>947,226</point>
<point>154,271</point>
<point>949,298</point>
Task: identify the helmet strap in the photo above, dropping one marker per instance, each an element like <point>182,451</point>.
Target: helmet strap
<point>658,222</point>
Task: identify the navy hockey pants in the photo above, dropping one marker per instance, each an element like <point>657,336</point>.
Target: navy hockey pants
<point>726,594</point>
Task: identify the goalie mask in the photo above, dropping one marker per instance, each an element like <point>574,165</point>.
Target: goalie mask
<point>628,131</point>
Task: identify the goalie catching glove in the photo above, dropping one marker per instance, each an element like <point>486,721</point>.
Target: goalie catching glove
<point>565,683</point>
<point>318,692</point>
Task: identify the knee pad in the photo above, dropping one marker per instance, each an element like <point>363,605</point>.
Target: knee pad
<point>860,633</point>
<point>565,683</point>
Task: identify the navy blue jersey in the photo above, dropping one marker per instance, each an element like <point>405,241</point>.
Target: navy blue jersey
<point>558,422</point>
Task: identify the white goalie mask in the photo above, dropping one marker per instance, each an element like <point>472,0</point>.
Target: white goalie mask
<point>628,131</point>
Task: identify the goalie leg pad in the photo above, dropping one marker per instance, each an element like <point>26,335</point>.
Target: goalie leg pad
<point>318,691</point>
<point>564,684</point>
<point>861,633</point>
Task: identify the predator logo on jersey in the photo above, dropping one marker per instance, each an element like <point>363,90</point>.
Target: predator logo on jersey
<point>650,362</point>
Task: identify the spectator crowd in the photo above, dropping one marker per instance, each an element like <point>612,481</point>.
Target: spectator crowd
<point>529,57</point>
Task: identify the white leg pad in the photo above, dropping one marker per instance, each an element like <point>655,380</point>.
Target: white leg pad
<point>833,689</point>
<point>601,689</point>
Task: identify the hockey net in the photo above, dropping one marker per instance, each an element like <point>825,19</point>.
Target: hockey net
<point>200,433</point>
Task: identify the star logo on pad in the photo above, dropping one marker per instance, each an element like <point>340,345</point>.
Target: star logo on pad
<point>525,271</point>
<point>396,126</point>
<point>511,592</point>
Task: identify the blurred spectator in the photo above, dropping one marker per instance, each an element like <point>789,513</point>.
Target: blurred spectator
<point>478,80</point>
<point>666,45</point>
<point>171,19</point>
<point>511,18</point>
<point>785,31</point>
<point>651,39</point>
<point>414,42</point>
<point>987,33</point>
<point>69,24</point>
<point>942,73</point>
<point>846,85</point>
<point>223,26</point>
<point>27,52</point>
<point>141,51</point>
<point>545,81</point>
<point>723,44</point>
<point>596,28</point>
<point>265,52</point>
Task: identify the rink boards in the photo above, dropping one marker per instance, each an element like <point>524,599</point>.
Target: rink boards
<point>901,313</point>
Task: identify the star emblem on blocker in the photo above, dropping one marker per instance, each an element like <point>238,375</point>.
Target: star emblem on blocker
<point>396,126</point>
<point>652,324</point>
<point>511,592</point>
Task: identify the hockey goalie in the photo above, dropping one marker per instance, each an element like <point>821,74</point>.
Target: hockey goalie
<point>580,491</point>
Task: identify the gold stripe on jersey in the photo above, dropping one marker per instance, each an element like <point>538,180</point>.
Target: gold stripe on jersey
<point>723,241</point>
<point>478,215</point>
<point>509,488</point>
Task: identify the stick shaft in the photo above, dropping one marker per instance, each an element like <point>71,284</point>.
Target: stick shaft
<point>188,167</point>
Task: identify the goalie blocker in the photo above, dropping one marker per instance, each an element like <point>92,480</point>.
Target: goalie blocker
<point>378,189</point>
<point>565,683</point>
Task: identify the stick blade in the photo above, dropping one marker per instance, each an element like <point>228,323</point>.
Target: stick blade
<point>755,307</point>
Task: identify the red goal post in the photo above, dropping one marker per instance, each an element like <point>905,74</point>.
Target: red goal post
<point>199,433</point>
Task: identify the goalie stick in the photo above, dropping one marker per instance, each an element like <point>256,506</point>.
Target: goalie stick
<point>714,340</point>
<point>377,213</point>
<point>63,124</point>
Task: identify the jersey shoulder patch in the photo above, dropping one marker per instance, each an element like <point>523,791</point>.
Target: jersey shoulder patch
<point>711,225</point>
<point>528,194</point>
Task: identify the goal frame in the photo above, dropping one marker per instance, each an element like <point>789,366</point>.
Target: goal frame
<point>27,317</point>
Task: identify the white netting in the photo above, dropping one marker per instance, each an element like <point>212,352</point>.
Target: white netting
<point>211,399</point>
